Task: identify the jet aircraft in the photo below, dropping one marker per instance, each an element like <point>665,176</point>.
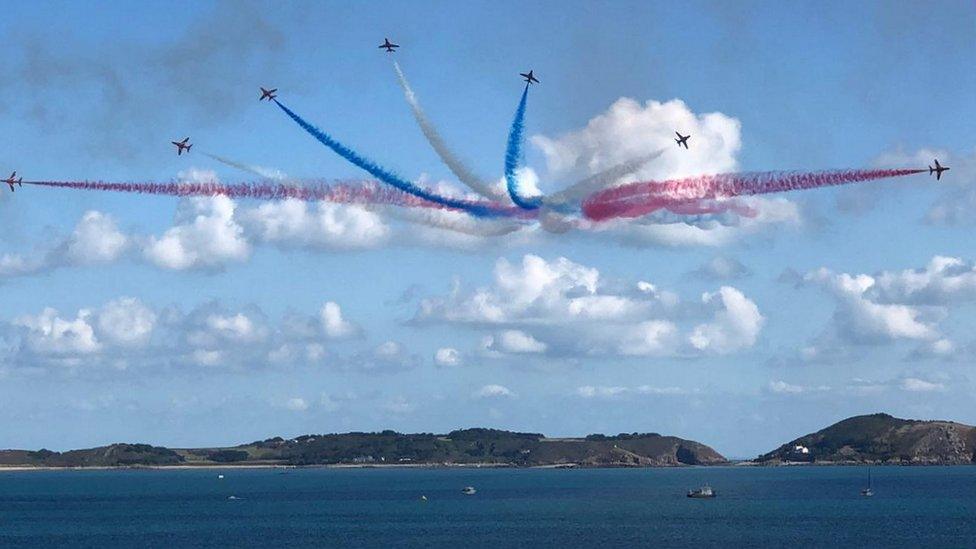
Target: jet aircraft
<point>182,146</point>
<point>682,140</point>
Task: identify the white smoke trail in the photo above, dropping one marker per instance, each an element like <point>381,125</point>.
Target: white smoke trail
<point>458,222</point>
<point>599,181</point>
<point>453,163</point>
<point>267,173</point>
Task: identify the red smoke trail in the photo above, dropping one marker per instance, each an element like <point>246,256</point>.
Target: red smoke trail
<point>637,199</point>
<point>365,193</point>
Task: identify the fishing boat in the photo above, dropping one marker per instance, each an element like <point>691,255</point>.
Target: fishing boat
<point>702,493</point>
<point>468,491</point>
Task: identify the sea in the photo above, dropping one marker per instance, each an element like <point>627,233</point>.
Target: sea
<point>566,508</point>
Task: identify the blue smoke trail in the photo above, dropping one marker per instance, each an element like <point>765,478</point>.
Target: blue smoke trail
<point>513,154</point>
<point>386,176</point>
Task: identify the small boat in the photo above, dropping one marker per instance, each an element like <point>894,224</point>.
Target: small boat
<point>469,491</point>
<point>423,498</point>
<point>868,492</point>
<point>702,493</point>
<point>220,476</point>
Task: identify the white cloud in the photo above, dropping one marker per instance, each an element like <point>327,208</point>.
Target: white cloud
<point>334,325</point>
<point>295,223</point>
<point>238,328</point>
<point>126,332</point>
<point>447,356</point>
<point>296,404</point>
<point>399,405</point>
<point>49,334</point>
<point>12,265</point>
<point>888,307</point>
<point>610,392</point>
<point>493,391</point>
<point>784,387</point>
<point>862,319</point>
<point>629,129</point>
<point>915,385</point>
<point>736,323</point>
<point>943,281</point>
<point>722,267</point>
<point>205,236</point>
<point>590,391</point>
<point>96,239</point>
<point>126,322</point>
<point>516,342</point>
<point>559,307</point>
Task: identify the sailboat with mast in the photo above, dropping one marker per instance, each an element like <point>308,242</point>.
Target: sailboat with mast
<point>869,491</point>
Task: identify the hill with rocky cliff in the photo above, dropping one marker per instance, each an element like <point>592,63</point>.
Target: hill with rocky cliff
<point>882,439</point>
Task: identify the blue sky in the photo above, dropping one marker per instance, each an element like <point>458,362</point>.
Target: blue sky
<point>208,322</point>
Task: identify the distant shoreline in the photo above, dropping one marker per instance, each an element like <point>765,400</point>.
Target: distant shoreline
<point>356,466</point>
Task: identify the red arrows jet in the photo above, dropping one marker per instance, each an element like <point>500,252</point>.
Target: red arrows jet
<point>938,169</point>
<point>268,94</point>
<point>529,77</point>
<point>682,140</point>
<point>389,46</point>
<point>182,146</point>
<point>13,179</point>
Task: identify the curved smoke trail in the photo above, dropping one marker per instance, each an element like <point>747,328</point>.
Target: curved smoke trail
<point>453,163</point>
<point>637,199</point>
<point>255,170</point>
<point>481,209</point>
<point>452,220</point>
<point>513,155</point>
<point>599,181</point>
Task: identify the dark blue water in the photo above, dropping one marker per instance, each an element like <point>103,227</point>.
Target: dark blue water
<point>757,507</point>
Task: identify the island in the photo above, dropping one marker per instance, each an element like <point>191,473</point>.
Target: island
<point>467,447</point>
<point>878,439</point>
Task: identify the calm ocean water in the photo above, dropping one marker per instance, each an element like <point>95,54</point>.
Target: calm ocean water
<point>756,507</point>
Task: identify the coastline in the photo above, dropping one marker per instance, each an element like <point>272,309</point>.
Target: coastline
<point>356,466</point>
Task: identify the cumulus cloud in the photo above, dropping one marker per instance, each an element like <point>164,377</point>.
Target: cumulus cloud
<point>781,387</point>
<point>48,334</point>
<point>205,236</point>
<point>333,323</point>
<point>861,318</point>
<point>630,129</point>
<point>722,267</point>
<point>126,322</point>
<point>915,385</point>
<point>294,223</point>
<point>96,239</point>
<point>447,356</point>
<point>125,332</point>
<point>736,322</point>
<point>559,308</point>
<point>516,342</point>
<point>612,392</point>
<point>493,391</point>
<point>296,404</point>
<point>893,306</point>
